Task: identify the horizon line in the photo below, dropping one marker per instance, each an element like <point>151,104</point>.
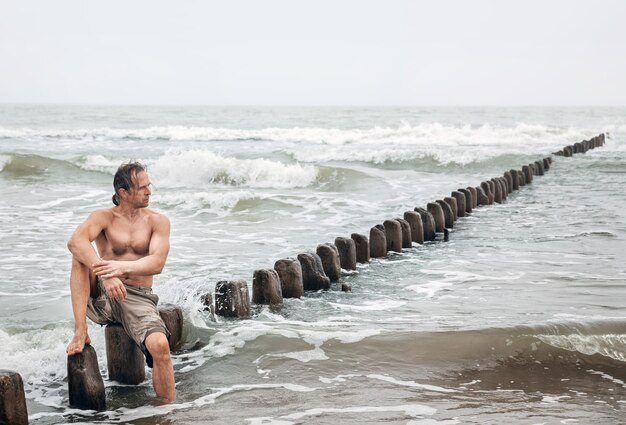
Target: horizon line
<point>263,105</point>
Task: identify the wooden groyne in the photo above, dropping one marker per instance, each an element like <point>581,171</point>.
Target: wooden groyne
<point>319,268</point>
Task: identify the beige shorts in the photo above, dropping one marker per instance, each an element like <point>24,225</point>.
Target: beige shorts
<point>137,313</point>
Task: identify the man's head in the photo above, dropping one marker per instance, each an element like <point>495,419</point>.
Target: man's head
<point>131,184</point>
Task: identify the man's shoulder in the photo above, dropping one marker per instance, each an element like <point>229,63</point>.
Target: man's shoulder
<point>101,214</point>
<point>156,217</point>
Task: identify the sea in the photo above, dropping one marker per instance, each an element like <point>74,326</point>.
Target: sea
<point>520,318</point>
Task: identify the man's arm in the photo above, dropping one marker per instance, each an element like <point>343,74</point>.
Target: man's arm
<point>81,248</point>
<point>79,243</point>
<point>149,265</point>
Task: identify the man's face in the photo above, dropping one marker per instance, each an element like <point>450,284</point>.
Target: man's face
<point>139,194</point>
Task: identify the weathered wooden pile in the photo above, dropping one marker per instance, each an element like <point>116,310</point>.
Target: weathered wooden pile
<point>290,278</point>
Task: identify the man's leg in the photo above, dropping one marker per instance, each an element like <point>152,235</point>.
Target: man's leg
<point>162,371</point>
<point>82,284</point>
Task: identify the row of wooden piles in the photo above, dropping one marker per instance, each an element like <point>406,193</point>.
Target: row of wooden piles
<point>290,278</point>
<point>313,271</point>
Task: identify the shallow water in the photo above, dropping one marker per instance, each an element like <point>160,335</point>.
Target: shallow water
<point>518,318</point>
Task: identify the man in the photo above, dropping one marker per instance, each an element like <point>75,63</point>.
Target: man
<point>113,284</point>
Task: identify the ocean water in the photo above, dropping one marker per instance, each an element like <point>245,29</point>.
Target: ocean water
<point>519,318</point>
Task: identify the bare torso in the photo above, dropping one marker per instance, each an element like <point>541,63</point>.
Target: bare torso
<point>127,239</point>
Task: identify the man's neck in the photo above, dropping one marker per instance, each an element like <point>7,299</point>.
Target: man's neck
<point>128,211</point>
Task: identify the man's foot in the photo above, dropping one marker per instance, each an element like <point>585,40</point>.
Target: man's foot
<point>77,343</point>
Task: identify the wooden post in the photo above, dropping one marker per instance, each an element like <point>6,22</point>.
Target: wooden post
<point>460,202</point>
<point>468,200</point>
<point>290,274</point>
<point>393,232</point>
<point>125,360</point>
<point>497,192</point>
<point>492,191</point>
<point>483,199</point>
<point>329,255</point>
<point>13,400</point>
<point>362,245</point>
<point>378,242</point>
<point>447,213</point>
<point>504,186</point>
<point>428,224</point>
<point>232,299</point>
<point>85,384</point>
<point>172,316</point>
<point>539,167</point>
<point>487,191</point>
<point>437,212</point>
<point>515,179</point>
<point>347,253</point>
<point>313,276</point>
<point>415,223</point>
<point>472,191</point>
<point>453,206</point>
<point>405,228</point>
<point>528,174</point>
<point>266,287</point>
<point>509,181</point>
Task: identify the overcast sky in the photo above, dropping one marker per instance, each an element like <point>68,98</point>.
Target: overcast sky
<point>339,52</point>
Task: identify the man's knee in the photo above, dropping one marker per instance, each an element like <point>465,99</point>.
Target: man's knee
<point>158,346</point>
<point>78,267</point>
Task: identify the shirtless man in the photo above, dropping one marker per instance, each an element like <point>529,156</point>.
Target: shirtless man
<point>113,284</point>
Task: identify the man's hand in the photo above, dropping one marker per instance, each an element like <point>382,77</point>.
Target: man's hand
<point>107,269</point>
<point>114,288</point>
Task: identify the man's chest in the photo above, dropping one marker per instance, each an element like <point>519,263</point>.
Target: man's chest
<point>125,238</point>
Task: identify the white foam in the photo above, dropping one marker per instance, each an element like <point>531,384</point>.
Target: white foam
<point>411,384</point>
<point>317,338</point>
<point>216,202</point>
<point>407,409</point>
<point>4,161</point>
<point>197,167</point>
<point>553,399</point>
<point>338,378</point>
<point>608,377</point>
<point>371,305</point>
<point>100,163</point>
<point>266,420</point>
<point>427,133</point>
<point>227,342</point>
<point>305,356</point>
<point>608,345</point>
<point>430,288</point>
<point>438,154</point>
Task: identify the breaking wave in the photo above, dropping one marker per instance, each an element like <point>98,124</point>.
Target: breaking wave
<point>184,168</point>
<point>421,134</point>
<point>199,167</point>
